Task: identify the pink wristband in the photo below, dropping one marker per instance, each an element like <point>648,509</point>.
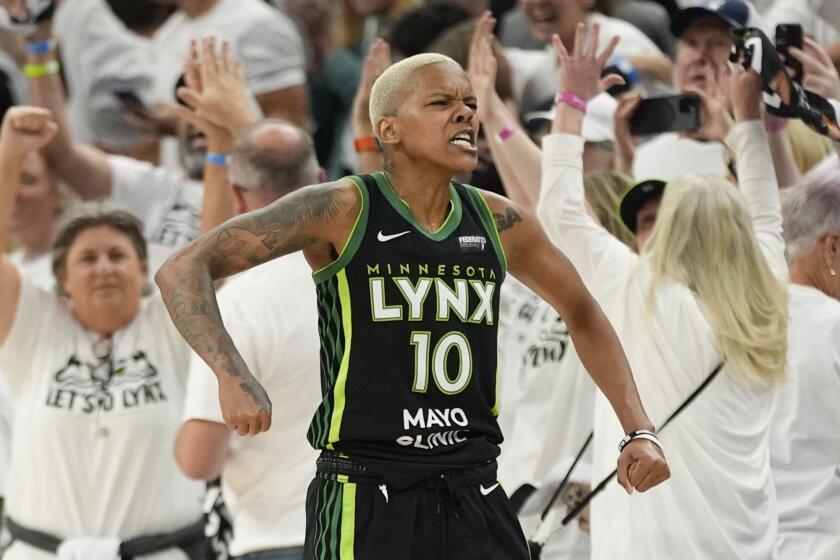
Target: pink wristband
<point>775,126</point>
<point>571,100</point>
<point>506,132</point>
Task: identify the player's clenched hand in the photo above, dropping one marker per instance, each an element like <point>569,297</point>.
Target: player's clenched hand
<point>246,408</point>
<point>641,466</point>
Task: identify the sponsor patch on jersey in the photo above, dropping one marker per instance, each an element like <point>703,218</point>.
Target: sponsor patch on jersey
<point>472,243</point>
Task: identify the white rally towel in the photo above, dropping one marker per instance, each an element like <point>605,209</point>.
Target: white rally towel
<point>87,548</point>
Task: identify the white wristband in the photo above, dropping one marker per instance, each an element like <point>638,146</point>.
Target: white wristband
<point>638,434</point>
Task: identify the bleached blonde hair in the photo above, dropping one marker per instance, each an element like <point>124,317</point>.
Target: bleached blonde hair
<point>808,147</point>
<point>388,88</point>
<point>704,239</point>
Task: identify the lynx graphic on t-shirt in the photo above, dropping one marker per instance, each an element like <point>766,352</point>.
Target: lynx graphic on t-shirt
<point>105,385</point>
<point>179,225</point>
<point>550,337</point>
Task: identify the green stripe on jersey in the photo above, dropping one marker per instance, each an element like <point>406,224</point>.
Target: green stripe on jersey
<point>341,381</point>
<point>353,240</point>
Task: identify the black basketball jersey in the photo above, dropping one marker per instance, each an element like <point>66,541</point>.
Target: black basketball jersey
<point>408,326</point>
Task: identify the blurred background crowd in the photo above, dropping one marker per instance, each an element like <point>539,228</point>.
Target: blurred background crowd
<point>132,126</point>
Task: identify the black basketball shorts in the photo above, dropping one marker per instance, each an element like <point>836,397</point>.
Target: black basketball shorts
<point>459,516</point>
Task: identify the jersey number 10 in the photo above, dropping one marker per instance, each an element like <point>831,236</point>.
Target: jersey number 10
<point>438,362</point>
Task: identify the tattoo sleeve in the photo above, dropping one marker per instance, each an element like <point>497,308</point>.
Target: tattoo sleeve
<point>186,280</point>
<point>506,220</point>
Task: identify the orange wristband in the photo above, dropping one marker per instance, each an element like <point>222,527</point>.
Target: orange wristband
<point>366,144</point>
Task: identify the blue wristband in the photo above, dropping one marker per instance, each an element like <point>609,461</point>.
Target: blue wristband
<point>218,159</point>
<point>40,47</point>
<point>624,65</point>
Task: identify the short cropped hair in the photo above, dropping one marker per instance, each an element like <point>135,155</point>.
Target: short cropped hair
<point>389,86</point>
<point>277,171</point>
<point>90,215</point>
<point>810,210</point>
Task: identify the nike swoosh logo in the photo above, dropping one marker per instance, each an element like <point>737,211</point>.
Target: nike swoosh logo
<point>486,491</point>
<point>383,238</point>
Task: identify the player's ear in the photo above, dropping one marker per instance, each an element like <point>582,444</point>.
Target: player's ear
<point>388,130</point>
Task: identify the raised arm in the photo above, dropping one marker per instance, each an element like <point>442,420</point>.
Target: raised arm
<point>316,219</point>
<point>535,261</point>
<point>562,207</point>
<point>217,96</point>
<point>378,60</point>
<point>24,130</point>
<point>516,157</point>
<point>85,169</point>
<point>756,176</point>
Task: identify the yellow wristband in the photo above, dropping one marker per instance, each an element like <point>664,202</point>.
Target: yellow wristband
<point>48,68</point>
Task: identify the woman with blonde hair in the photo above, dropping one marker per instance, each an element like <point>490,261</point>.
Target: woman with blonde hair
<point>707,289</point>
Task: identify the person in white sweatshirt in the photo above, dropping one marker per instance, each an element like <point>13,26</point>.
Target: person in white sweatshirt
<point>707,289</point>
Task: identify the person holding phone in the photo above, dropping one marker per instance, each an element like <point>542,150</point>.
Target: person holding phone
<point>685,133</point>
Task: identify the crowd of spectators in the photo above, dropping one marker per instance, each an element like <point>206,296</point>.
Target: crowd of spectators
<point>130,127</point>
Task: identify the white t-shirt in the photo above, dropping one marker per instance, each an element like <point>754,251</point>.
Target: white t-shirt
<point>168,204</point>
<point>511,344</point>
<point>6,416</point>
<point>667,156</point>
<point>271,314</point>
<point>99,55</point>
<point>92,443</point>
<point>37,270</point>
<point>552,404</point>
<point>259,35</point>
<point>553,399</point>
<point>720,500</point>
<point>805,442</point>
<point>535,74</point>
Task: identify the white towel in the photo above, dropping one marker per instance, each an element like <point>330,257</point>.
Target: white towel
<point>87,548</point>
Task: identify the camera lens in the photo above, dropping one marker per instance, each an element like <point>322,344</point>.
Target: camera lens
<point>687,105</point>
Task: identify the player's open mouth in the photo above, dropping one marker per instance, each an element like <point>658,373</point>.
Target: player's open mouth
<point>463,139</point>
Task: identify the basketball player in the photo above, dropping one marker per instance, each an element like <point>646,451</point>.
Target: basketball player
<point>408,267</point>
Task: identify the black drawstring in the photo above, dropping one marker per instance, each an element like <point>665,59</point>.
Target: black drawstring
<point>452,490</point>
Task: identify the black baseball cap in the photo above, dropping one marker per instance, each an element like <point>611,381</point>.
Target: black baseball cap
<point>635,196</point>
<point>734,13</point>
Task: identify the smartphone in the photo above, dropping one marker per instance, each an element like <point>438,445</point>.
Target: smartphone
<point>672,113</point>
<point>129,99</point>
<point>790,35</point>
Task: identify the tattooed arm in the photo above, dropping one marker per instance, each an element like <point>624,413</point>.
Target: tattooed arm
<point>535,261</point>
<point>315,219</point>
